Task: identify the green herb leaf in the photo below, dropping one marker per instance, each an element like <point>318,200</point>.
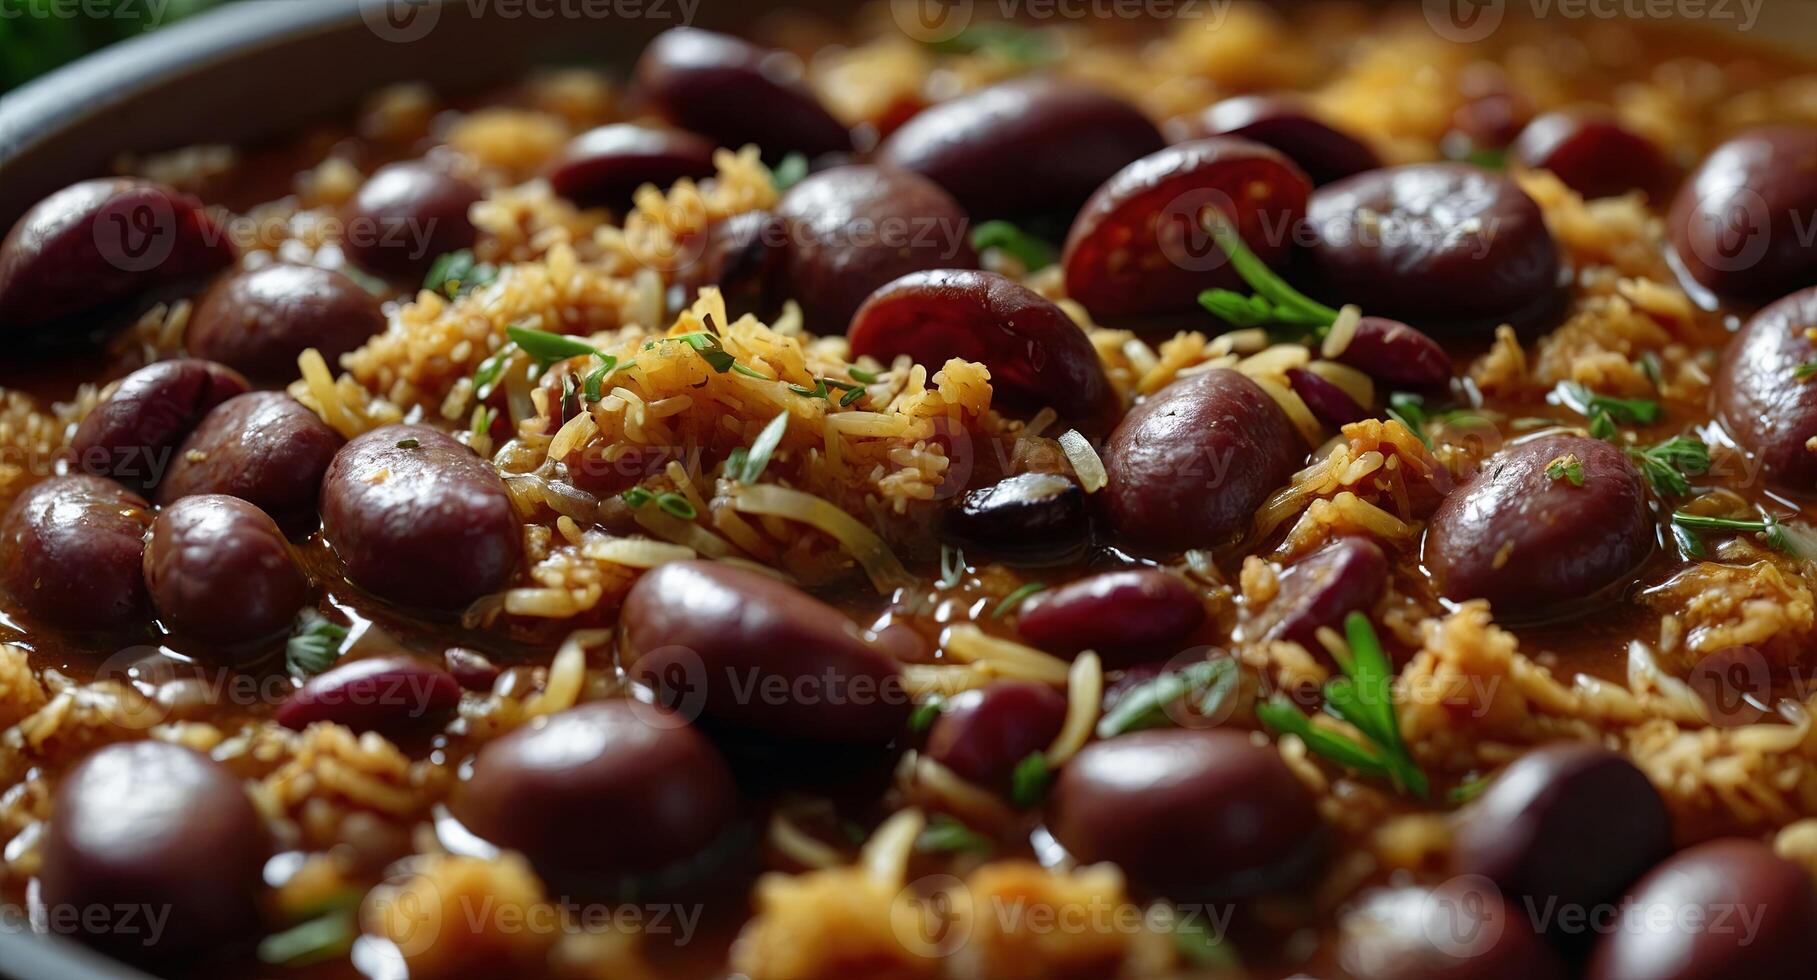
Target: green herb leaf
<point>1032,252</point>
<point>1018,45</point>
<point>409,442</point>
<point>710,350</point>
<point>1145,705</point>
<point>1794,540</point>
<point>765,445</point>
<point>952,566</point>
<point>862,376</point>
<point>1029,782</point>
<point>1199,944</point>
<point>1466,791</point>
<point>944,835</point>
<point>1670,465</point>
<point>1302,309</point>
<point>1689,544</point>
<point>1488,159</point>
<point>1280,715</point>
<point>1633,411</point>
<point>791,170</point>
<point>637,497</point>
<point>489,370</point>
<point>922,718</point>
<point>1567,467</point>
<point>750,372</point>
<point>1015,599</point>
<point>1649,365</point>
<point>676,505</point>
<point>482,420</point>
<point>1806,371</point>
<point>549,348</point>
<point>1409,410</point>
<point>1602,426</point>
<point>315,644</point>
<point>457,273</point>
<point>316,941</point>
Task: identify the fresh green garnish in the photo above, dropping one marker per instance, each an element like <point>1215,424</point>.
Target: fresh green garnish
<point>944,835</point>
<point>1604,411</point>
<point>791,170</point>
<point>824,388</point>
<point>489,370</point>
<point>1028,784</point>
<point>710,350</point>
<point>1032,252</point>
<point>1488,159</point>
<point>1201,945</point>
<point>1274,301</point>
<point>952,566</point>
<point>1145,705</point>
<point>669,502</point>
<point>637,497</point>
<point>1794,540</point>
<point>1669,465</point>
<point>482,420</point>
<point>1363,697</point>
<point>549,348</point>
<point>922,718</point>
<point>315,941</point>
<point>1602,426</point>
<point>1689,544</point>
<point>1649,365</point>
<point>409,442</point>
<point>455,274</point>
<point>862,376</point>
<point>1015,599</point>
<point>1409,410</point>
<point>1806,371</point>
<point>1008,42</point>
<point>593,388</point>
<point>315,644</point>
<point>1567,467</point>
<point>1469,790</point>
<point>753,461</point>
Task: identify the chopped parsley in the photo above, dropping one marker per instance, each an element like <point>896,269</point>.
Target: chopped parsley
<point>1028,783</point>
<point>791,170</point>
<point>1032,252</point>
<point>922,718</point>
<point>455,274</point>
<point>746,465</point>
<point>1670,465</point>
<point>944,835</point>
<point>315,644</point>
<point>1568,468</point>
<point>1015,599</point>
<point>409,442</point>
<point>1604,411</point>
<point>1274,301</point>
<point>1794,540</point>
<point>1212,682</point>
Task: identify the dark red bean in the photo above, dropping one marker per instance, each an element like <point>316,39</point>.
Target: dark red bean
<point>756,653</point>
<point>100,242</point>
<point>1288,125</point>
<point>982,734</point>
<point>1741,224</point>
<point>746,257</point>
<point>415,517</point>
<point>1124,616</point>
<point>544,789</point>
<point>1736,909</point>
<point>70,551</point>
<point>1208,814</point>
<point>259,321</point>
<point>1027,519</point>
<point>1536,546</point>
<point>1492,113</point>
<point>134,434</point>
<point>1321,589</point>
<point>1457,931</point>
<point>471,669</point>
<point>1769,410</point>
<point>406,216</point>
<point>1326,400</point>
<point>736,93</point>
<point>219,570</point>
<point>1542,830</point>
<point>853,229</point>
<point>1438,245</point>
<point>1396,354</point>
<point>162,830</point>
<point>1140,245</point>
<point>1014,148</point>
<point>1037,356</point>
<point>263,447</point>
<point>1188,467</point>
<point>376,694</point>
<point>1593,153</point>
<point>605,166</point>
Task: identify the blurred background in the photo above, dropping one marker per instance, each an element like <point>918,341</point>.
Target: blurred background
<point>38,35</point>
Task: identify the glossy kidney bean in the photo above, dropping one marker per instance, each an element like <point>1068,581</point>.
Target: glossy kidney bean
<point>1543,831</point>
<point>605,166</point>
<point>1741,223</point>
<point>471,669</point>
<point>983,733</point>
<point>1438,245</point>
<point>407,215</point>
<point>736,93</point>
<point>544,788</point>
<point>1728,880</point>
<point>134,434</point>
<point>1014,148</point>
<point>1326,400</point>
<point>1324,152</point>
<point>382,694</point>
<point>415,517</point>
<point>1189,466</point>
<point>1140,244</point>
<point>1492,113</point>
<point>219,570</point>
<point>100,242</point>
<point>258,321</point>
<point>1396,354</point>
<point>263,447</point>
<point>1188,813</point>
<point>1037,356</point>
<point>1760,398</point>
<point>853,229</point>
<point>1321,589</point>
<point>161,829</point>
<point>1593,153</point>
<point>753,652</point>
<point>1029,518</point>
<point>1535,546</point>
<point>746,257</point>
<point>1457,931</point>
<point>1122,615</point>
<point>70,550</point>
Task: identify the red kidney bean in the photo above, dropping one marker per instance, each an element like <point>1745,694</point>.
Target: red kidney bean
<point>1014,148</point>
<point>1452,932</point>
<point>1538,546</point>
<point>1027,519</point>
<point>415,517</point>
<point>1124,615</point>
<point>163,830</point>
<point>544,788</point>
<point>736,93</point>
<point>1188,467</point>
<point>219,570</point>
<point>1741,223</point>
<point>746,256</point>
<point>100,242</point>
<point>984,733</point>
<point>263,447</point>
<point>1593,153</point>
<point>1287,124</point>
<point>1037,356</point>
<point>471,669</point>
<point>605,166</point>
<point>1542,830</point>
<point>759,654</point>
<point>376,694</point>
<point>1721,881</point>
<point>1493,111</point>
<point>853,229</point>
<point>1326,400</point>
<point>1321,589</point>
<point>1140,245</point>
<point>260,320</point>
<point>1394,353</point>
<point>1210,814</point>
<point>407,215</point>
<point>1760,398</point>
<point>70,549</point>
<point>1439,245</point>
<point>133,435</point>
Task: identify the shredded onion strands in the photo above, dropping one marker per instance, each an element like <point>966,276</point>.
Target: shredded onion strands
<point>863,544</point>
<point>886,855</point>
<point>1084,458</point>
<point>1084,699</point>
